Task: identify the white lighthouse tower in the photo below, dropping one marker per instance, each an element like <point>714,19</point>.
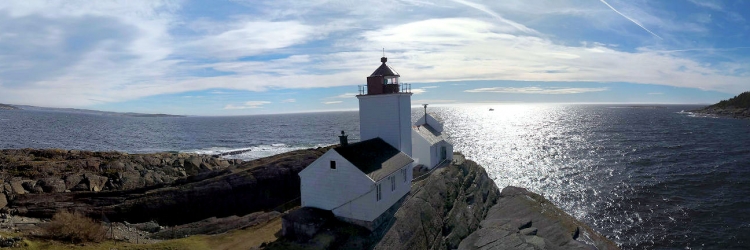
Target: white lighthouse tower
<point>385,109</point>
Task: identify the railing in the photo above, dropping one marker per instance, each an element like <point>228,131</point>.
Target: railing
<point>402,87</point>
<point>417,179</point>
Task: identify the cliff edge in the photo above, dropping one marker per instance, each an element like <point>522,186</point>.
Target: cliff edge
<point>460,207</point>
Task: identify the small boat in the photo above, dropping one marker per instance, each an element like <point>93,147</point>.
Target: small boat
<point>491,109</point>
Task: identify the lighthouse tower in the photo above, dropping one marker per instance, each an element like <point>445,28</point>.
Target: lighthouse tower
<point>385,109</point>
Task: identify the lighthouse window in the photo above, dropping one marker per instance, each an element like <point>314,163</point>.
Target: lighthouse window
<point>333,164</point>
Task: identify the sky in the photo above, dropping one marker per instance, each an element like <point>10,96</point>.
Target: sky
<point>245,57</point>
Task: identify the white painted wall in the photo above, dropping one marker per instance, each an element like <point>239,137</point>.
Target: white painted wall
<point>368,208</point>
<point>420,149</point>
<point>326,188</point>
<point>427,154</point>
<point>387,116</point>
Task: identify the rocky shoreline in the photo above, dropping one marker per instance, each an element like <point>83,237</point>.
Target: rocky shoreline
<point>731,112</point>
<point>735,107</point>
<point>460,207</point>
<point>174,195</point>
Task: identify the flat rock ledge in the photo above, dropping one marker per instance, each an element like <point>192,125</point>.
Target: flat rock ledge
<point>525,220</point>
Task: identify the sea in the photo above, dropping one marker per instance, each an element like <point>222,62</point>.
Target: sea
<point>645,176</point>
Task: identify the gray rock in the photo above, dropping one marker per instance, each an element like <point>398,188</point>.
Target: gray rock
<point>52,185</point>
<point>528,231</point>
<point>3,201</point>
<point>31,187</point>
<point>17,186</point>
<point>193,165</point>
<point>552,227</point>
<point>72,180</point>
<point>94,182</point>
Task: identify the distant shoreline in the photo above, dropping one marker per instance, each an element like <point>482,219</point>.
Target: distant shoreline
<point>82,111</point>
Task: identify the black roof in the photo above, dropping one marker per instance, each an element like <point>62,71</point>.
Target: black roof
<point>375,157</point>
<point>384,70</point>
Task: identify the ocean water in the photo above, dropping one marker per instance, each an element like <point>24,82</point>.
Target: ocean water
<point>646,177</point>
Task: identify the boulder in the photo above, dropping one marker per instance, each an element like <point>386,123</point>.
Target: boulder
<point>94,182</point>
<point>17,186</point>
<point>193,165</point>
<point>72,180</point>
<point>131,180</point>
<point>52,185</point>
<point>3,201</point>
<point>31,187</point>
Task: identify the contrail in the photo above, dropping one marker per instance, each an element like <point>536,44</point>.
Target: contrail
<point>484,9</point>
<point>631,19</point>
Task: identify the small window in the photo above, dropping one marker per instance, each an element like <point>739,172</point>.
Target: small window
<point>333,164</point>
<point>378,194</point>
<point>393,183</point>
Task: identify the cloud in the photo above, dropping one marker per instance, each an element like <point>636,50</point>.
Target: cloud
<point>418,91</point>
<point>344,96</point>
<point>288,100</point>
<point>708,4</point>
<point>429,87</point>
<point>252,38</point>
<point>74,53</point>
<point>536,90</point>
<point>247,105</point>
<point>332,102</point>
<point>432,101</point>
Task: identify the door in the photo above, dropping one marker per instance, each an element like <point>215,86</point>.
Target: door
<point>442,153</point>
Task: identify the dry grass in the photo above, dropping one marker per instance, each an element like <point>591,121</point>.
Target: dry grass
<point>75,228</point>
<point>248,238</point>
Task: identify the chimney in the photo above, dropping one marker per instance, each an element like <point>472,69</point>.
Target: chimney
<point>343,140</point>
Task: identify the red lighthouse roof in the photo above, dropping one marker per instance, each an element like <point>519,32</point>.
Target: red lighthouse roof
<point>384,70</point>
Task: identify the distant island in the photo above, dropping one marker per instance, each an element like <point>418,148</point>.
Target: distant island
<point>736,107</point>
<point>7,107</point>
<point>81,111</point>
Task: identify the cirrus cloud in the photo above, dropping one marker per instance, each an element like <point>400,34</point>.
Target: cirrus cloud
<point>536,90</point>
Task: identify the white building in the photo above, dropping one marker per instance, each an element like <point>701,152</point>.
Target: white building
<point>430,145</point>
<point>360,182</point>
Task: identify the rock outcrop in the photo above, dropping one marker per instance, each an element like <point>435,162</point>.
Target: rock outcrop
<point>459,207</point>
<point>258,185</point>
<point>526,220</point>
<point>444,208</point>
<point>37,171</point>
<point>7,107</point>
<point>736,107</point>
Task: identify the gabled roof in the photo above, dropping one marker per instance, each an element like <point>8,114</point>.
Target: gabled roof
<point>429,134</point>
<point>374,157</point>
<point>384,70</point>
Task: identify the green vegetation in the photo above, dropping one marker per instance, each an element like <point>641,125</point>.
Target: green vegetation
<point>739,101</point>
